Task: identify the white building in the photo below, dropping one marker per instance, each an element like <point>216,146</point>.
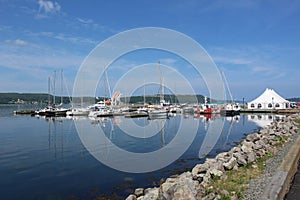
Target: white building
<point>269,99</point>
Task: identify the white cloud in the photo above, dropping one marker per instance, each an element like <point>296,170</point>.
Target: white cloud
<point>85,21</point>
<point>168,61</point>
<point>48,6</point>
<point>261,69</point>
<point>236,61</point>
<point>63,37</point>
<point>18,42</point>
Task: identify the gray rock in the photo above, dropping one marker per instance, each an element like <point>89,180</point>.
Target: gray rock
<point>151,194</point>
<point>252,137</point>
<point>257,146</point>
<point>200,168</point>
<point>210,162</point>
<point>184,187</point>
<point>234,197</point>
<point>224,157</point>
<point>263,131</point>
<point>230,164</point>
<point>184,192</point>
<point>131,197</point>
<point>215,172</point>
<point>260,153</point>
<point>139,192</point>
<point>219,165</point>
<point>224,192</point>
<point>168,186</point>
<point>210,196</point>
<point>246,149</point>
<point>251,157</point>
<point>206,177</point>
<point>240,159</point>
<point>271,132</point>
<point>235,150</point>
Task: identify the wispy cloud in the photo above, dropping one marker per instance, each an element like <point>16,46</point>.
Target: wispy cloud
<point>48,6</point>
<point>73,39</point>
<point>85,21</point>
<point>261,69</point>
<point>22,55</point>
<point>17,42</point>
<point>62,37</point>
<point>262,61</point>
<point>232,60</point>
<point>168,61</point>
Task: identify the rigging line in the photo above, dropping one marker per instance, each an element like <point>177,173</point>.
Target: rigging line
<point>107,82</point>
<point>227,85</point>
<point>68,92</point>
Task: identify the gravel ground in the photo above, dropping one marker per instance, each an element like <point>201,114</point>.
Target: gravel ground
<point>257,186</point>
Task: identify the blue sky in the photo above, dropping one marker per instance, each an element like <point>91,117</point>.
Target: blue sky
<point>255,43</point>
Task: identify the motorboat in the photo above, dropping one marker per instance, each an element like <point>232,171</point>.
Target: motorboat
<point>230,109</point>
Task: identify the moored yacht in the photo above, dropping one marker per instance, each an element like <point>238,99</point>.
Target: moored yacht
<point>231,109</point>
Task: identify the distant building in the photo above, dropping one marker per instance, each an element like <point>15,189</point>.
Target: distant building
<point>269,99</point>
<point>20,101</point>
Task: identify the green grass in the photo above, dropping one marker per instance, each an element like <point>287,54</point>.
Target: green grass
<point>297,121</point>
<point>237,180</point>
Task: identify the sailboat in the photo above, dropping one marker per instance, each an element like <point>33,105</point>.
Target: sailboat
<point>160,111</point>
<point>56,110</point>
<point>42,112</point>
<point>80,111</point>
<point>102,108</point>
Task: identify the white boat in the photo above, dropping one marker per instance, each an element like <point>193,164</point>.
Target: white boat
<point>231,109</point>
<point>188,109</point>
<point>98,105</point>
<point>102,112</point>
<point>78,112</point>
<point>158,113</point>
<point>56,111</point>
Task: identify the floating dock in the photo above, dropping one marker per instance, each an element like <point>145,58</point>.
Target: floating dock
<point>24,112</point>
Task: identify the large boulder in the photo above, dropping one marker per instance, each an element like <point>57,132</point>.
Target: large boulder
<point>183,187</point>
<point>151,194</point>
<point>251,157</point>
<point>131,197</point>
<point>240,159</point>
<point>230,164</point>
<point>252,137</point>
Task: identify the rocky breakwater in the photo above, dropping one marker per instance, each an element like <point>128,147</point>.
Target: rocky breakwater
<point>198,184</point>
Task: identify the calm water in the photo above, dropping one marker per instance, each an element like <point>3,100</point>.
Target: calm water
<point>46,158</point>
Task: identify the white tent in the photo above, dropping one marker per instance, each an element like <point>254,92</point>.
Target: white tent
<point>269,99</point>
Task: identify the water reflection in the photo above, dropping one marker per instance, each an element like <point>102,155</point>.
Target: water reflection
<point>47,153</point>
<point>263,120</point>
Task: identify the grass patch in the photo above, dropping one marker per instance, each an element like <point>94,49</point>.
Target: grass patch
<point>297,121</point>
<point>237,180</point>
<point>281,140</point>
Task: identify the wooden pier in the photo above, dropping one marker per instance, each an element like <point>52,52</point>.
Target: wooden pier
<point>275,111</point>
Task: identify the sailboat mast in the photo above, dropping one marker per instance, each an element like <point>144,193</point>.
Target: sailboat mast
<point>54,77</point>
<point>144,94</point>
<point>61,87</point>
<point>104,84</point>
<point>48,91</point>
<point>160,84</point>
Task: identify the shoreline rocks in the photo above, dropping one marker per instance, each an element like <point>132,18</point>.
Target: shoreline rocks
<point>196,184</point>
